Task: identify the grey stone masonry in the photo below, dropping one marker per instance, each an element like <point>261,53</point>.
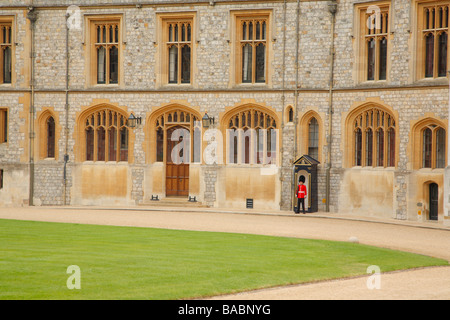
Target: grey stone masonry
<point>298,62</point>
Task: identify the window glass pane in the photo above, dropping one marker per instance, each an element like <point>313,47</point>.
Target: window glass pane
<point>99,34</point>
<point>371,60</point>
<point>7,65</point>
<point>369,147</point>
<point>426,148</point>
<point>260,63</point>
<point>313,145</point>
<point>358,147</point>
<point>186,64</point>
<point>259,146</point>
<point>258,30</point>
<point>159,145</point>
<point>90,144</point>
<point>170,33</point>
<point>51,138</point>
<point>380,148</point>
<point>101,139</point>
<point>173,64</point>
<point>124,144</point>
<point>111,33</point>
<point>114,65</point>
<point>429,55</point>
<point>189,32</point>
<point>271,146</point>
<point>246,145</point>
<point>383,59</point>
<point>183,32</point>
<point>112,144</point>
<point>233,145</point>
<point>247,63</point>
<point>442,66</point>
<point>440,148</point>
<point>197,144</point>
<point>101,65</point>
<point>391,148</point>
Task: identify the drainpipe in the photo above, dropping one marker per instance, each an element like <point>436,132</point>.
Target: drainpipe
<point>32,16</point>
<point>332,8</point>
<point>297,33</point>
<point>66,129</point>
<point>283,97</point>
<point>283,68</point>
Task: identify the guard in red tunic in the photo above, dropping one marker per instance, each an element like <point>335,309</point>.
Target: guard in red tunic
<point>301,195</point>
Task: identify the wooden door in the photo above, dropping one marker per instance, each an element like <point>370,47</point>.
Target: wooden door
<point>177,170</point>
<point>434,201</point>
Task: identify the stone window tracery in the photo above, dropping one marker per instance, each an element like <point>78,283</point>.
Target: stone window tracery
<point>106,136</point>
<point>374,134</point>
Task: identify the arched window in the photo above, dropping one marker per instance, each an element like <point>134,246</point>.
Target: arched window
<point>374,138</point>
<point>50,137</point>
<point>48,134</point>
<point>189,123</point>
<point>252,137</point>
<point>290,114</point>
<point>313,138</point>
<point>433,146</point>
<point>106,136</point>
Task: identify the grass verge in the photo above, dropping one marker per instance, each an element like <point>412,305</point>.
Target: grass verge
<point>146,263</point>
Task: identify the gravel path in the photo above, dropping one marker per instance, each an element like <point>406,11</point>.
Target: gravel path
<point>427,239</point>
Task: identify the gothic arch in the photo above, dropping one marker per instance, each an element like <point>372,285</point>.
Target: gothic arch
<point>48,147</point>
<point>103,135</point>
<point>303,128</point>
<point>433,125</point>
<point>251,127</point>
<point>371,136</point>
<point>163,119</point>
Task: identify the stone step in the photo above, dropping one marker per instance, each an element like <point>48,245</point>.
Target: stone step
<point>172,202</point>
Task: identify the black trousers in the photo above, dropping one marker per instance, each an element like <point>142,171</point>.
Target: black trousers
<point>302,202</point>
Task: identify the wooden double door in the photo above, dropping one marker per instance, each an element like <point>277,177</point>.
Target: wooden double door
<point>177,163</point>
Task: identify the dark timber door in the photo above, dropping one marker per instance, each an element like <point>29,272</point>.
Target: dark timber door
<point>434,195</point>
<point>177,164</point>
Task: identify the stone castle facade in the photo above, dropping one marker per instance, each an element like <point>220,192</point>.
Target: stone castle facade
<point>360,85</point>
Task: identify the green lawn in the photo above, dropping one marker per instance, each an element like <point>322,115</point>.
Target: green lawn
<point>145,263</point>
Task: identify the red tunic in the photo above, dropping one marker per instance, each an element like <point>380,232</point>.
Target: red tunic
<point>301,192</point>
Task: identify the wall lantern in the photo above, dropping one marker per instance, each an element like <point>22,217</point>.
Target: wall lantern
<point>132,121</point>
<point>207,121</point>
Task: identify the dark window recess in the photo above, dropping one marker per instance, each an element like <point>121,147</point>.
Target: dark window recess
<point>1,178</point>
<point>249,203</point>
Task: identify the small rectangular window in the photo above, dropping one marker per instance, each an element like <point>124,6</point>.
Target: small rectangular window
<point>433,22</point>
<point>105,50</point>
<point>6,47</point>
<point>376,35</point>
<point>373,41</point>
<point>3,126</point>
<point>1,178</point>
<point>178,40</point>
<point>252,37</point>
